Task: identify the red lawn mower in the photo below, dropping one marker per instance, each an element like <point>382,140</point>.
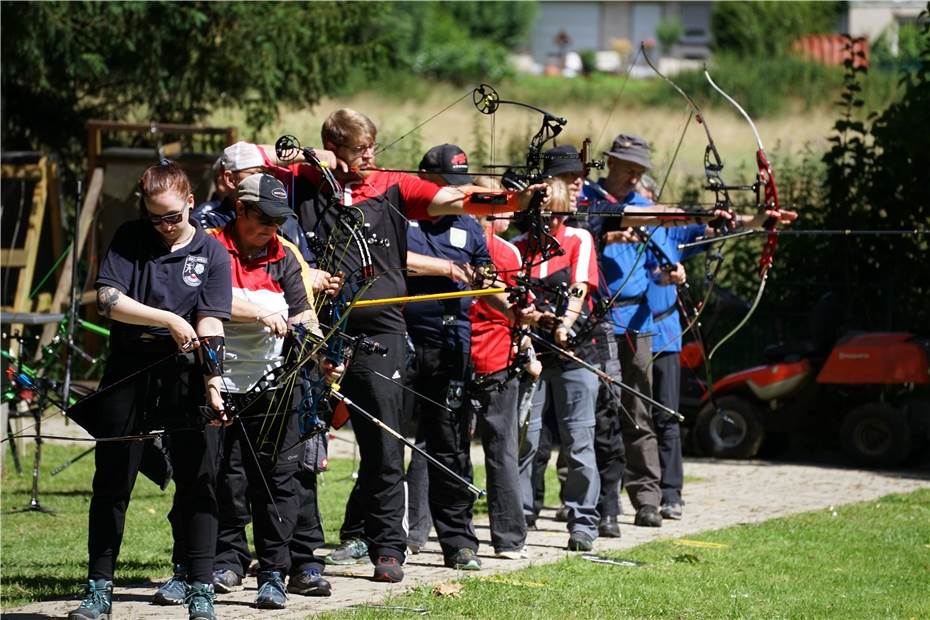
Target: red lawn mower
<point>871,390</point>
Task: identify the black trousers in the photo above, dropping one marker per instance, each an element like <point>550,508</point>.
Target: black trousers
<point>376,506</point>
<point>269,428</point>
<point>308,535</point>
<point>166,392</point>
<point>609,452</point>
<point>446,437</point>
<point>548,437</point>
<point>666,385</point>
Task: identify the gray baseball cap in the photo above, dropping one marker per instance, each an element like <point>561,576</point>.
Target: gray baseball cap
<point>267,193</point>
<point>631,148</point>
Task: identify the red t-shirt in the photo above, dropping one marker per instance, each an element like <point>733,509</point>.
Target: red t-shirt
<point>490,330</point>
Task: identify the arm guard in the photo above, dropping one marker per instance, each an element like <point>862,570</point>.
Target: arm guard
<point>490,203</point>
<point>210,355</point>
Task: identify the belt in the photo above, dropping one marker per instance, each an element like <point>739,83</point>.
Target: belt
<point>665,313</point>
<point>629,301</point>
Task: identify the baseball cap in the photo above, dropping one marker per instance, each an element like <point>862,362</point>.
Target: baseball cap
<point>242,156</point>
<point>562,160</point>
<point>631,148</point>
<point>448,161</point>
<point>265,192</point>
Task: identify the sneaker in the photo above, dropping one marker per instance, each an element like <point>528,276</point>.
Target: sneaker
<point>561,514</point>
<point>309,582</point>
<point>671,511</point>
<point>199,601</point>
<point>609,528</point>
<point>388,569</point>
<point>352,551</point>
<point>226,581</point>
<point>270,591</point>
<point>97,602</point>
<point>512,554</point>
<point>173,591</point>
<point>579,541</point>
<point>414,547</point>
<point>464,559</point>
<point>648,516</point>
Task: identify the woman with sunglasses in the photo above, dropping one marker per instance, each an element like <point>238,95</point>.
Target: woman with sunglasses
<point>166,286</point>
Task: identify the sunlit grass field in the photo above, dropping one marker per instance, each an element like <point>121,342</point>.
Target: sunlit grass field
<point>45,555</point>
<point>862,561</point>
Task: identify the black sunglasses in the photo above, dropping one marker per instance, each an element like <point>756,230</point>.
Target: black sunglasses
<point>168,218</point>
<point>268,220</point>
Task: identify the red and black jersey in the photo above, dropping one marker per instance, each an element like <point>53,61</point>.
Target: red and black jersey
<point>491,347</point>
<point>277,280</point>
<point>578,264</point>
<point>384,200</point>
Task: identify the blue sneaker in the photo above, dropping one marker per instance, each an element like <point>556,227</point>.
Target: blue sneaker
<point>173,591</point>
<point>199,601</point>
<point>97,602</point>
<point>270,591</point>
<point>309,582</point>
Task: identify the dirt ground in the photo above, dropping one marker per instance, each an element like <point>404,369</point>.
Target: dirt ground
<point>725,493</point>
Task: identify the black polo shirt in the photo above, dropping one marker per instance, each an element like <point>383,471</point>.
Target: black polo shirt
<point>191,282</point>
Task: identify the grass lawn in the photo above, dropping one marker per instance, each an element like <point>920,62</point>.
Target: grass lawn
<point>45,556</point>
<point>868,560</point>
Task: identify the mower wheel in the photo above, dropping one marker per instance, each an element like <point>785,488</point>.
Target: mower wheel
<point>732,431</point>
<point>876,435</point>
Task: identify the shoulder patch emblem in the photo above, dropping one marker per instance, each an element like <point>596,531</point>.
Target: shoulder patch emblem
<point>194,266</point>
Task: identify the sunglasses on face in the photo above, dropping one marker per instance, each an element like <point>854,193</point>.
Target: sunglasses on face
<point>267,220</point>
<point>172,218</point>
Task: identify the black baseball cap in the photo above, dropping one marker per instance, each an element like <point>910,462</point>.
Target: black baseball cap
<point>267,193</point>
<point>631,148</point>
<point>448,161</point>
<point>562,159</point>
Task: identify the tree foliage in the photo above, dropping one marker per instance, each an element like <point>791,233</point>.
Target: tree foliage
<point>759,29</point>
<point>67,62</point>
<point>459,42</point>
<point>874,179</point>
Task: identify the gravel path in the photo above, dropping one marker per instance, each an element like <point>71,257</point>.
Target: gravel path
<point>727,493</point>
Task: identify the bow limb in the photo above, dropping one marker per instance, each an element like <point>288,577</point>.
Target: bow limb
<point>765,182</point>
<point>767,197</point>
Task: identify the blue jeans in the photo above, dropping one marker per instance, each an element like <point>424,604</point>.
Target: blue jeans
<point>573,394</point>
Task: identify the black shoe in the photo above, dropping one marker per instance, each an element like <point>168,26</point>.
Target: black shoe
<point>579,541</point>
<point>97,602</point>
<point>561,515</point>
<point>309,582</point>
<point>464,559</point>
<point>388,569</point>
<point>648,516</point>
<point>671,511</point>
<point>609,528</point>
<point>226,581</point>
<point>270,591</point>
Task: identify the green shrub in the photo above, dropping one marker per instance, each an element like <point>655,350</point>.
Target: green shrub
<point>668,32</point>
<point>762,29</point>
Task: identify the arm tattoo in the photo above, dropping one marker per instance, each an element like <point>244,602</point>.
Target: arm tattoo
<point>107,298</point>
